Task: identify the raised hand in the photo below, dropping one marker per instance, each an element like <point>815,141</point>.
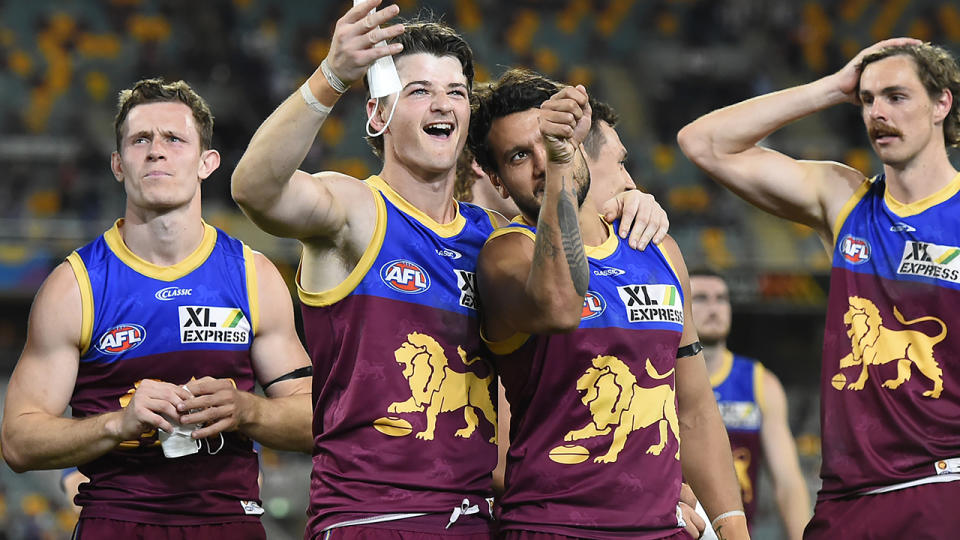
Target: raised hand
<point>564,122</point>
<point>352,48</point>
<point>848,77</point>
<point>641,216</point>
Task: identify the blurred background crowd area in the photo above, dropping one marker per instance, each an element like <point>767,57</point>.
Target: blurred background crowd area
<point>660,63</point>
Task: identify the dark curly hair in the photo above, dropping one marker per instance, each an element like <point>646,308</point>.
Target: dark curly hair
<point>436,38</point>
<point>938,71</point>
<point>158,91</point>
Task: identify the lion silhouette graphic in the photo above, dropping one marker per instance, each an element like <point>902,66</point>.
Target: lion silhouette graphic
<point>615,400</point>
<point>440,389</point>
<point>873,345</point>
<point>741,465</point>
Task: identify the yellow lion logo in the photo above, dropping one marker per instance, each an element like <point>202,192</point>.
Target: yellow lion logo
<point>873,344</point>
<point>741,465</point>
<point>434,385</point>
<point>615,399</point>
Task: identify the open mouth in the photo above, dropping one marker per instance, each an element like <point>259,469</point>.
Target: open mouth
<point>439,130</point>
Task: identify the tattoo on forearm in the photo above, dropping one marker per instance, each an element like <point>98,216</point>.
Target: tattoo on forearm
<point>544,247</point>
<point>572,242</point>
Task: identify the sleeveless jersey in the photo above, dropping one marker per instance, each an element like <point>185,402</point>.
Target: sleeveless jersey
<point>738,389</point>
<point>891,379</point>
<point>174,323</point>
<point>594,436</point>
<point>404,408</point>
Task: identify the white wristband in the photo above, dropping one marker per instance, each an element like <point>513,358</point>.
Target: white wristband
<point>312,100</point>
<point>338,85</point>
<point>725,515</point>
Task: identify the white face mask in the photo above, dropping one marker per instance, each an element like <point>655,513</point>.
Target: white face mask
<point>375,109</point>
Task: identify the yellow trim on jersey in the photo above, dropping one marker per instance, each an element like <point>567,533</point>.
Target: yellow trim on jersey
<point>494,222</point>
<point>86,300</point>
<point>914,208</point>
<point>847,207</point>
<point>758,385</point>
<point>726,364</point>
<point>253,293</point>
<point>163,273</point>
<point>345,287</point>
<point>673,267</point>
<point>507,230</point>
<point>505,346</point>
<point>445,230</point>
<point>608,246</point>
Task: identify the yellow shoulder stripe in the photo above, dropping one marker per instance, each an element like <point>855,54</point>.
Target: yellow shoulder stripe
<point>253,295</point>
<point>86,300</point>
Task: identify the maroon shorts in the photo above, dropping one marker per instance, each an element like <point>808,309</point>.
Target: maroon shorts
<point>926,512</point>
<point>531,535</point>
<point>99,528</point>
<point>356,532</point>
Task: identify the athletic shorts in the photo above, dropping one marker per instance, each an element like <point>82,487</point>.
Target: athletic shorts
<point>531,535</point>
<point>100,528</point>
<point>358,532</point>
<point>925,512</point>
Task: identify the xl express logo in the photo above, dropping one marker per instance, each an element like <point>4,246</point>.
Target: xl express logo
<point>652,303</point>
<point>206,324</point>
<point>121,338</point>
<point>467,282</point>
<point>405,276</point>
<point>930,260</point>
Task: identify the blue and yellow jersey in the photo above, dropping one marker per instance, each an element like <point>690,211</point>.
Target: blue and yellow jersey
<point>738,387</point>
<point>891,385</point>
<point>594,436</point>
<point>404,420</point>
<point>176,323</point>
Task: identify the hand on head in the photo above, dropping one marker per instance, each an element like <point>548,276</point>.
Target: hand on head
<point>848,78</point>
<point>565,122</point>
<point>352,48</point>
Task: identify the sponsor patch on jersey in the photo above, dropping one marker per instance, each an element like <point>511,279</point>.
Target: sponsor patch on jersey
<point>207,324</point>
<point>930,260</point>
<point>652,303</point>
<point>854,250</point>
<point>467,281</point>
<point>251,508</point>
<point>449,253</point>
<point>608,271</point>
<point>902,227</point>
<point>121,338</point>
<point>593,306</point>
<point>740,414</point>
<point>169,293</point>
<point>405,276</point>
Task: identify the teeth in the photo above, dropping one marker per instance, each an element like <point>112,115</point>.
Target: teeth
<point>445,126</point>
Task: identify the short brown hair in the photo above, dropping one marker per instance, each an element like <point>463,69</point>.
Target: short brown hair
<point>602,112</point>
<point>436,38</point>
<point>938,71</point>
<point>159,91</point>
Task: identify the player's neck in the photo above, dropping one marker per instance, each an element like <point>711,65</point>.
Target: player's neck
<point>166,238</point>
<point>432,194</point>
<point>713,356</point>
<point>593,229</point>
<point>925,174</point>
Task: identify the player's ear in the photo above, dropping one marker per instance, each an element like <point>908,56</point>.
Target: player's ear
<point>209,161</point>
<point>116,165</point>
<point>498,185</point>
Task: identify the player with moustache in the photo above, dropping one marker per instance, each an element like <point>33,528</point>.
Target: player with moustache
<point>891,435</point>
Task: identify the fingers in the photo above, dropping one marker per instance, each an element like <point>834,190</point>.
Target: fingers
<point>686,495</point>
<point>629,206</point>
<point>695,524</point>
<point>212,429</point>
<point>208,385</point>
<point>353,46</point>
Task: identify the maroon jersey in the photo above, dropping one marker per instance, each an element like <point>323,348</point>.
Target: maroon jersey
<point>594,436</point>
<point>174,324</point>
<point>891,381</point>
<point>404,415</point>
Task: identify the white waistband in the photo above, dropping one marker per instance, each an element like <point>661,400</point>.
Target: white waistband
<point>945,470</point>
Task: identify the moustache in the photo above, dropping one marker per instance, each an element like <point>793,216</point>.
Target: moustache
<point>877,130</point>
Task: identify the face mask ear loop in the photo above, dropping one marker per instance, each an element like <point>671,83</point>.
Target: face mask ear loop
<point>385,126</point>
<point>219,448</point>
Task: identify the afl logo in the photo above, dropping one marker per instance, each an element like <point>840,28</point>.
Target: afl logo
<point>121,338</point>
<point>405,276</point>
<point>855,250</point>
<point>593,306</point>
